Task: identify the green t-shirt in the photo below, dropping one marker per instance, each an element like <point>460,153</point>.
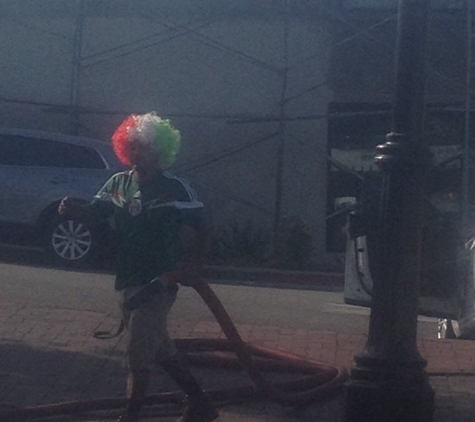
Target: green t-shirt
<point>147,218</point>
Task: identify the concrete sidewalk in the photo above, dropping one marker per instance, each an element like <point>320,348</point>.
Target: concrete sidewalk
<point>49,356</point>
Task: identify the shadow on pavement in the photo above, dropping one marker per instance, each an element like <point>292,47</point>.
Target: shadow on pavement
<point>30,375</point>
<point>36,258</point>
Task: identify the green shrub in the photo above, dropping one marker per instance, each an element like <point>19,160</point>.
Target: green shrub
<point>293,244</point>
<point>250,245</point>
<point>241,244</point>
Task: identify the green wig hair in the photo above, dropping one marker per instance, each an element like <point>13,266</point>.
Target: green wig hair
<point>147,128</point>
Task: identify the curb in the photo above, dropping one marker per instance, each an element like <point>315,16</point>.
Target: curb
<point>267,277</point>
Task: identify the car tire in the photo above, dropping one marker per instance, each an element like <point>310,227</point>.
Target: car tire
<point>72,243</point>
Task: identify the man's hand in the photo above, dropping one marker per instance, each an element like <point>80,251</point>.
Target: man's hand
<point>69,206</point>
<point>65,206</point>
<point>192,273</point>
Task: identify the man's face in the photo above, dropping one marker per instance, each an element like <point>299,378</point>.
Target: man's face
<point>143,155</point>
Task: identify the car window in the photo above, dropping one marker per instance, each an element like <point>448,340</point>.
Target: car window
<point>25,151</point>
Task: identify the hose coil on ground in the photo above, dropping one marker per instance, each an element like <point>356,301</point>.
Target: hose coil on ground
<point>316,382</point>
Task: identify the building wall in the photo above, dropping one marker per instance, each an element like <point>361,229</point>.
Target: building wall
<point>214,69</point>
<point>363,84</point>
<point>363,57</point>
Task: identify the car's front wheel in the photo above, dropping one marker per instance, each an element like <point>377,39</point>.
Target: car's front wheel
<point>70,242</point>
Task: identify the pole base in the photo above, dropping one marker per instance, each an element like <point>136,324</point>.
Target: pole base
<point>372,396</point>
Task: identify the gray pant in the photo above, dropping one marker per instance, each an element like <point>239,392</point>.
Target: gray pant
<point>148,341</point>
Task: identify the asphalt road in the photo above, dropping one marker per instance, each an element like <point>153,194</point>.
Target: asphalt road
<point>25,280</point>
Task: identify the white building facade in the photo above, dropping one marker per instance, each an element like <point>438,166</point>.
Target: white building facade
<point>244,82</point>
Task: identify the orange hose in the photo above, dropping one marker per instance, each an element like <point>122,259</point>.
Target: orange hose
<point>317,381</point>
<point>325,379</point>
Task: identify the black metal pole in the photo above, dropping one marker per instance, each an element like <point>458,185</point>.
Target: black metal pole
<point>389,382</point>
<point>282,126</point>
<point>76,66</point>
<point>464,197</point>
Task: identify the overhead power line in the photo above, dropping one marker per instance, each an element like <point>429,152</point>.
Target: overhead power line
<point>184,30</point>
<point>231,152</point>
<point>136,49</point>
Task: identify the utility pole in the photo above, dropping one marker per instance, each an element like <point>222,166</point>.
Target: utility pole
<point>282,131</point>
<point>389,382</point>
<point>282,125</point>
<point>466,158</point>
<point>76,67</point>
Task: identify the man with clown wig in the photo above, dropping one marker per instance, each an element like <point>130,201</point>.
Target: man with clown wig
<point>149,206</point>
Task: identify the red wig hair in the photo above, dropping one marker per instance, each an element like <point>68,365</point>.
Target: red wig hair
<point>147,128</point>
<point>120,139</point>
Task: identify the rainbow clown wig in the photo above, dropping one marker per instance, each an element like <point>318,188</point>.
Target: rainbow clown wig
<point>147,128</point>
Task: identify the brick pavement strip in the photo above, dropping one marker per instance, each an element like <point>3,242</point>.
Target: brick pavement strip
<point>51,356</point>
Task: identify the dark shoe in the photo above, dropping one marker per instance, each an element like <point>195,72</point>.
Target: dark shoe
<point>180,373</point>
<point>128,417</point>
<point>198,409</point>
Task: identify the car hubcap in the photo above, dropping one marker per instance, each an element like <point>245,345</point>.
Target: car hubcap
<point>71,240</point>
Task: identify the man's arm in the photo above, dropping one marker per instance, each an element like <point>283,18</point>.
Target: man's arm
<point>197,241</point>
<point>98,208</point>
<point>73,208</point>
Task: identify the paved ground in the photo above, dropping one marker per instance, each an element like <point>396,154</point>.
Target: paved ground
<point>49,356</point>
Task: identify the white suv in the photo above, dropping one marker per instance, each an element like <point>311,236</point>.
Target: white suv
<point>37,169</point>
